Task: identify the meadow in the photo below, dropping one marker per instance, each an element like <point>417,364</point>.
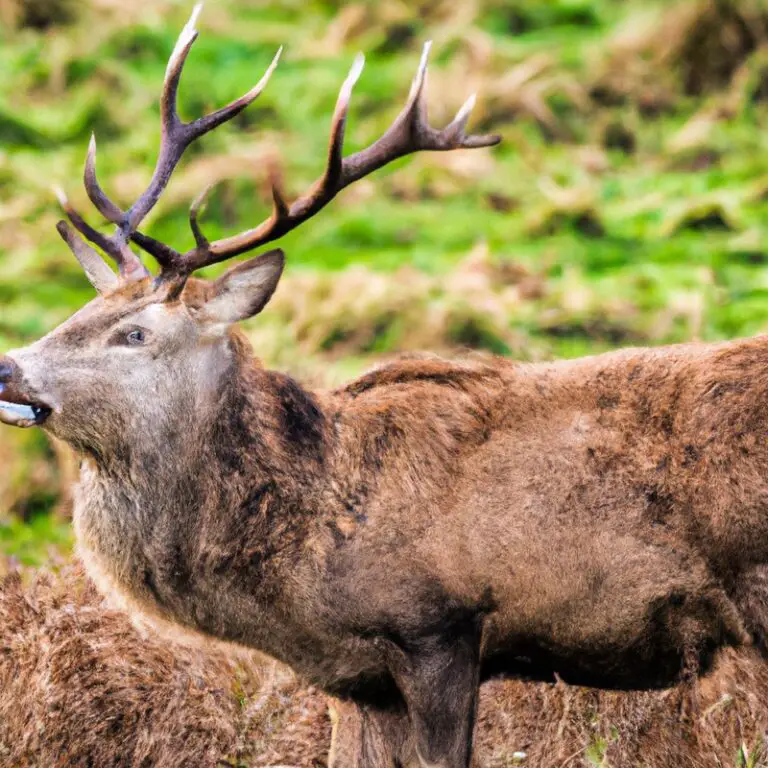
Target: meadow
<point>626,205</point>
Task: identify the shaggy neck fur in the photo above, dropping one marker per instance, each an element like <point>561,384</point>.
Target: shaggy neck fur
<point>181,520</point>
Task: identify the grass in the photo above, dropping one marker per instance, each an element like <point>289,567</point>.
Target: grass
<point>625,206</point>
<point>36,540</point>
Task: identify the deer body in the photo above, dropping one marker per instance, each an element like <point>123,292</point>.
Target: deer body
<point>574,513</point>
<point>428,525</point>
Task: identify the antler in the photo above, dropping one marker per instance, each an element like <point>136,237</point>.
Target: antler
<point>409,133</point>
<point>176,136</point>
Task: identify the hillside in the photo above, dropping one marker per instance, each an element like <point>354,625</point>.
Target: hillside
<point>626,205</point>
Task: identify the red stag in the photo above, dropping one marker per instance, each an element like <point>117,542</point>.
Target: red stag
<point>432,523</point>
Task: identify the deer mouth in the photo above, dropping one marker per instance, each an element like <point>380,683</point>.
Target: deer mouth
<point>19,411</point>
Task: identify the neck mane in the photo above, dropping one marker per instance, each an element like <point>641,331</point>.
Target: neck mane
<point>233,491</point>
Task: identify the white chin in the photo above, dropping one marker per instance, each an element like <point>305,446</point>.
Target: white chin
<point>18,415</point>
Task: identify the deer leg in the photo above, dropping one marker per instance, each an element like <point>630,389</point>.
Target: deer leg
<point>439,679</point>
<point>367,737</point>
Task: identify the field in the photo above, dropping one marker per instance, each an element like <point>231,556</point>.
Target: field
<point>626,205</point>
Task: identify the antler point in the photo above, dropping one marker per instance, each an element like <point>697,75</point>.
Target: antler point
<point>196,10</point>
<point>199,202</point>
<point>417,85</point>
<point>425,51</point>
<point>61,195</point>
<point>356,69</point>
<point>466,108</point>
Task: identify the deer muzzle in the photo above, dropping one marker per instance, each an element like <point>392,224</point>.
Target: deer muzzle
<point>18,407</point>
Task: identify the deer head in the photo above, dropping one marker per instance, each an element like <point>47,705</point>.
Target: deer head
<point>149,347</point>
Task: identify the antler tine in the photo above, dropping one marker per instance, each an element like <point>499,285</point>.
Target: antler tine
<point>96,269</point>
<point>410,132</point>
<point>280,208</point>
<point>170,144</point>
<point>129,264</point>
<point>284,218</point>
<point>176,136</point>
<point>335,169</point>
<point>96,194</point>
<point>197,206</point>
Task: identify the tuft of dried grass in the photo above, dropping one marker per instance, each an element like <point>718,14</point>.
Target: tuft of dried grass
<point>80,686</point>
<point>358,311</point>
<point>694,47</point>
<point>711,213</point>
<point>38,14</point>
<point>704,722</point>
<point>527,90</point>
<point>575,207</point>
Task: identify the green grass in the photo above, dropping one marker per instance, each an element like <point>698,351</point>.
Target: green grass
<point>644,213</point>
<point>36,540</point>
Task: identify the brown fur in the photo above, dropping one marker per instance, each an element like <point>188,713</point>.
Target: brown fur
<point>428,526</point>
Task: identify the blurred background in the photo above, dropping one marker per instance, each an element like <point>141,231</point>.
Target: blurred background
<point>627,204</point>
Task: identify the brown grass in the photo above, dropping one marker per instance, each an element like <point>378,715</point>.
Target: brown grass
<point>80,686</point>
<point>38,14</point>
<point>693,47</point>
<point>359,311</point>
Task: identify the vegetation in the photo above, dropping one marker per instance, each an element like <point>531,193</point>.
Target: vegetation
<point>625,206</point>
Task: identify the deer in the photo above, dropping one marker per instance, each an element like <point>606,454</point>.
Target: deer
<point>433,523</point>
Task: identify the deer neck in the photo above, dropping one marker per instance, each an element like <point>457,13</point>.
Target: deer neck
<point>207,502</point>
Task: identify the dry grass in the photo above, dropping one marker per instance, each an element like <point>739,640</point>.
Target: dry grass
<point>361,311</point>
<point>38,14</point>
<point>697,46</point>
<point>697,725</point>
<point>80,686</point>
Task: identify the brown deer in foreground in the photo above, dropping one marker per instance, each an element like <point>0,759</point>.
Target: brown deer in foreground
<point>433,523</point>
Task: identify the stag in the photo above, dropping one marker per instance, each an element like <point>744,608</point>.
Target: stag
<point>400,539</point>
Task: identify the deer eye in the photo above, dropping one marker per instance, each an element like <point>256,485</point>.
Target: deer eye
<point>135,337</point>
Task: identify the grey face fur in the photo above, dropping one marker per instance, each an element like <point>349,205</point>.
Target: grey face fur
<point>131,362</point>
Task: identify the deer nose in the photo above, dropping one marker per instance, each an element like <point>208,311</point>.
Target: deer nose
<point>7,370</point>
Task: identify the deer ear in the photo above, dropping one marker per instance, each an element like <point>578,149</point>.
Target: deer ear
<point>244,290</point>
